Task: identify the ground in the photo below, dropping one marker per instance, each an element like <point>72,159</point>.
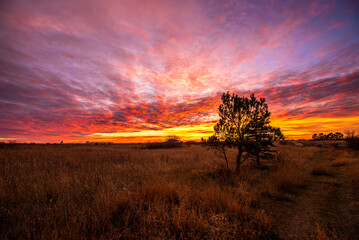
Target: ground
<point>308,191</point>
<point>327,205</point>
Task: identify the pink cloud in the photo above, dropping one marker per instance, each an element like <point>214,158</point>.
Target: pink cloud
<point>74,68</point>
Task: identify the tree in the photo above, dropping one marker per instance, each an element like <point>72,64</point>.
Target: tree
<point>315,136</point>
<point>260,134</point>
<point>244,124</point>
<point>261,142</point>
<point>329,136</point>
<point>338,136</point>
<point>321,136</point>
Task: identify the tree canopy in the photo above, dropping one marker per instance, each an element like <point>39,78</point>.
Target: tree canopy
<point>329,136</point>
<point>244,124</point>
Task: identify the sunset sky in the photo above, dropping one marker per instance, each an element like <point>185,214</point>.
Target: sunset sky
<point>137,71</point>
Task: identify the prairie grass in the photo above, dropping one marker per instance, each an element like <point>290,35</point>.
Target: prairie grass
<point>288,176</point>
<point>320,230</point>
<point>348,160</point>
<point>129,192</point>
<point>322,169</point>
<point>81,192</point>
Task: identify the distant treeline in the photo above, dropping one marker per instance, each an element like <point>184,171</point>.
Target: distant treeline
<point>329,136</point>
<point>171,142</point>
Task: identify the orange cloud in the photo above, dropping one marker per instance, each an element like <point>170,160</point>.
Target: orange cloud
<point>112,68</point>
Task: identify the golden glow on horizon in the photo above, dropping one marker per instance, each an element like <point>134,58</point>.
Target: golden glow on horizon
<point>306,127</point>
<point>194,132</point>
<point>292,129</point>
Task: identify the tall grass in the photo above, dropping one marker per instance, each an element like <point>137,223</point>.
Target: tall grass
<point>81,192</point>
<point>128,192</point>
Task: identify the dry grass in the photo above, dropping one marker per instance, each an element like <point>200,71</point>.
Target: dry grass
<point>330,180</point>
<point>289,175</point>
<point>81,192</point>
<point>339,163</point>
<point>349,162</point>
<point>321,231</point>
<point>127,192</point>
<point>353,173</point>
<point>322,169</point>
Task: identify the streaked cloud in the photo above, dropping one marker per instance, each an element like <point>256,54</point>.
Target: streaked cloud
<point>77,70</point>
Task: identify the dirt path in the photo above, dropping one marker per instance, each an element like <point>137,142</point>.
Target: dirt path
<point>326,207</point>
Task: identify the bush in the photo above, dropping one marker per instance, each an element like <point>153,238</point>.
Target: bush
<point>171,142</point>
<point>352,139</point>
<point>163,145</point>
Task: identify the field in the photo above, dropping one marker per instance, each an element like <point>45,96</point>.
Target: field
<point>129,192</point>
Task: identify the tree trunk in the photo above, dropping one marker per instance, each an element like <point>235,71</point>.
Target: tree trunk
<point>238,160</point>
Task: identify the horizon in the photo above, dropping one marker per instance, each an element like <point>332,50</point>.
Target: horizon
<point>155,139</point>
<point>139,71</point>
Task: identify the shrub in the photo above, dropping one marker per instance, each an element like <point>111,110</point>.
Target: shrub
<point>352,139</point>
<point>160,145</point>
<point>171,142</point>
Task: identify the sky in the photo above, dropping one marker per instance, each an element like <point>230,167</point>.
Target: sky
<point>138,71</point>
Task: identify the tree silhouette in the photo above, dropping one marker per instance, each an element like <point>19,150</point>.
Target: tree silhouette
<point>244,124</point>
<point>329,136</point>
<point>321,136</point>
<point>261,135</point>
<point>315,136</point>
<point>338,136</point>
<point>261,141</point>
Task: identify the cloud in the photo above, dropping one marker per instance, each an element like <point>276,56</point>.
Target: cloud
<point>127,66</point>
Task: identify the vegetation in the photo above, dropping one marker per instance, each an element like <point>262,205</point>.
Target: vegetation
<point>129,192</point>
<point>244,124</point>
<point>171,142</point>
<point>261,139</point>
<point>329,136</point>
<point>352,139</point>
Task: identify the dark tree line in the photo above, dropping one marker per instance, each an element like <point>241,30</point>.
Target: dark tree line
<point>329,136</point>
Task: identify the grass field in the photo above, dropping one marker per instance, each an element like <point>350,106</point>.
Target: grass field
<point>128,192</point>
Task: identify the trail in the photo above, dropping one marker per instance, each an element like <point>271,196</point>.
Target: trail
<point>328,204</point>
